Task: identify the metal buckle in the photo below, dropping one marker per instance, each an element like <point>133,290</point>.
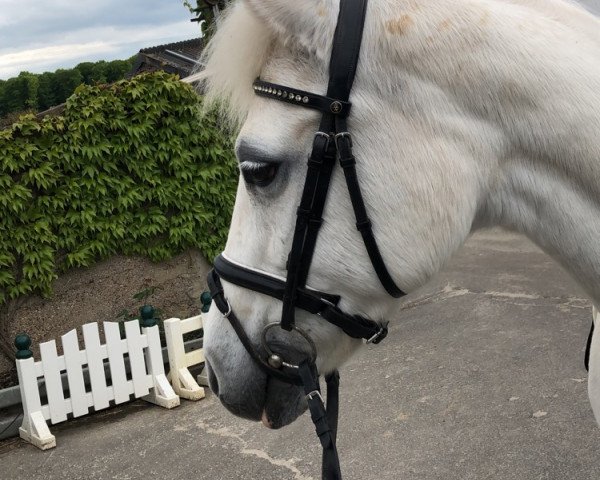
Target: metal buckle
<point>380,335</point>
<point>313,394</point>
<point>327,136</point>
<point>342,135</point>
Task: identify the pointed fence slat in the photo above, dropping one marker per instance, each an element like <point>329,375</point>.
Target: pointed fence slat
<point>121,387</point>
<point>54,389</point>
<point>77,393</point>
<point>136,358</point>
<point>93,349</point>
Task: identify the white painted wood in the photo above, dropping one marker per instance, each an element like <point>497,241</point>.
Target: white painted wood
<point>122,388</point>
<point>94,357</point>
<point>30,395</point>
<point>182,381</point>
<point>175,347</point>
<point>194,357</point>
<point>190,324</point>
<point>73,363</point>
<point>154,351</point>
<point>136,358</point>
<point>162,393</point>
<point>54,389</point>
<point>143,349</point>
<point>35,431</point>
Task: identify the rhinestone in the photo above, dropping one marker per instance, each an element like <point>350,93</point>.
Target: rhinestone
<point>279,92</point>
<point>305,99</point>
<point>298,98</point>
<point>284,94</point>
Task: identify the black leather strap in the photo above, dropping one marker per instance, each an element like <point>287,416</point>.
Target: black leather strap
<point>331,106</point>
<point>323,419</point>
<point>312,301</point>
<point>346,48</point>
<point>588,348</point>
<point>347,161</point>
<point>218,296</point>
<point>308,219</point>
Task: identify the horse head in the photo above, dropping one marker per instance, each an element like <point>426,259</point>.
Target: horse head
<point>450,121</point>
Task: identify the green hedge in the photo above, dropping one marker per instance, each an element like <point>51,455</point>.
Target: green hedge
<point>128,168</point>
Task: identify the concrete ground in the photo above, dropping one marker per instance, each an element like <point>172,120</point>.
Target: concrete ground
<point>480,378</point>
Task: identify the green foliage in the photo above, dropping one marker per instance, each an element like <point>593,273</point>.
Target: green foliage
<point>40,92</point>
<point>203,11</point>
<point>128,168</point>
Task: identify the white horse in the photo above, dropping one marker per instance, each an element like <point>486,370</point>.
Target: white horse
<point>466,114</point>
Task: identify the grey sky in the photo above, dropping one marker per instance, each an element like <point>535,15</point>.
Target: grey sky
<point>40,35</point>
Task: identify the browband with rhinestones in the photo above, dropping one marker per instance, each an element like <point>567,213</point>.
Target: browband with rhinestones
<point>302,98</point>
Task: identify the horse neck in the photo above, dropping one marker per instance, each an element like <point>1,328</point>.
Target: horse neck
<point>545,180</point>
<point>559,209</point>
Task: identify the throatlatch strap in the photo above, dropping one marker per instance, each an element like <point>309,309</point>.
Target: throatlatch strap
<point>363,224</point>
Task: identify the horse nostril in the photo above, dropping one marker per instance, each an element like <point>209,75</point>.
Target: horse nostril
<point>212,379</point>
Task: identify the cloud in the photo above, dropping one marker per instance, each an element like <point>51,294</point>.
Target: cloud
<point>41,58</point>
<point>48,34</point>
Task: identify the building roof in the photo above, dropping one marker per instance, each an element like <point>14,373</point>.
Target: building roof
<point>179,58</point>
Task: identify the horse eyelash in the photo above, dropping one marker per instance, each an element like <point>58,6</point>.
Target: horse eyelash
<point>249,166</point>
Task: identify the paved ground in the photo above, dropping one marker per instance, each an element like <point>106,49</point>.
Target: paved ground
<point>480,378</point>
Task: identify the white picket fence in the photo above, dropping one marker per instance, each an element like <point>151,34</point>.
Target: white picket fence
<point>179,361</point>
<point>147,380</point>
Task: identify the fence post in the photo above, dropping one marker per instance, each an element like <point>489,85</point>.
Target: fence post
<point>34,428</point>
<point>162,394</point>
<point>181,378</point>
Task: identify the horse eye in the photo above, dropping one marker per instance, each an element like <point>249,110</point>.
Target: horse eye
<point>260,174</point>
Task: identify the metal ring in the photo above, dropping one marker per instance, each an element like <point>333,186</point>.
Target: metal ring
<point>226,315</point>
<point>301,332</point>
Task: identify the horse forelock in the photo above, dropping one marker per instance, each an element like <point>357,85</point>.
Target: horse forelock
<point>233,58</point>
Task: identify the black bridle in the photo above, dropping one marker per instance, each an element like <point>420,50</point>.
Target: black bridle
<point>331,143</point>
